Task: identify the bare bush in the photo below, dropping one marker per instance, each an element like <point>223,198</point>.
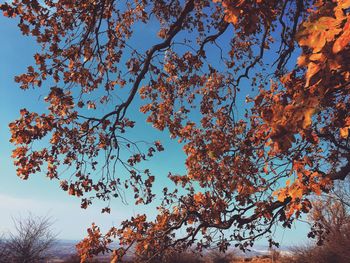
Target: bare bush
<point>3,249</point>
<point>76,259</point>
<point>220,257</point>
<point>31,241</point>
<point>190,257</point>
<point>330,217</point>
<point>178,257</point>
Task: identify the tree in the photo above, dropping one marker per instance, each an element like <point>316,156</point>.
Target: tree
<point>31,242</point>
<point>3,250</point>
<point>246,170</point>
<point>330,219</point>
<point>330,216</point>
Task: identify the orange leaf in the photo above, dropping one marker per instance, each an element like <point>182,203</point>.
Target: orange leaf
<point>308,117</point>
<point>312,70</point>
<point>343,40</point>
<point>198,197</point>
<point>344,132</point>
<point>296,193</point>
<point>288,182</point>
<point>315,34</point>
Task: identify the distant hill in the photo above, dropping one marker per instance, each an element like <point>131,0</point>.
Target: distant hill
<point>65,249</point>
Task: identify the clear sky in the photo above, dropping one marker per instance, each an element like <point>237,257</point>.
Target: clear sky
<point>39,195</point>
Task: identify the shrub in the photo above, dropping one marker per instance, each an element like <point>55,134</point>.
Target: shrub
<point>31,241</point>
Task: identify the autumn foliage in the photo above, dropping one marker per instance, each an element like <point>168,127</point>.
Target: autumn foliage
<point>249,165</point>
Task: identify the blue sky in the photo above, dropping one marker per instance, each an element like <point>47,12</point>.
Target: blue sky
<point>38,194</point>
<point>41,196</point>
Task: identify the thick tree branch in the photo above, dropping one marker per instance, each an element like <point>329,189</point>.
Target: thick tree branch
<point>174,29</point>
<point>342,173</point>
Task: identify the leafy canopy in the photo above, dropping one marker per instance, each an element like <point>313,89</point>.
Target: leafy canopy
<point>247,170</point>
